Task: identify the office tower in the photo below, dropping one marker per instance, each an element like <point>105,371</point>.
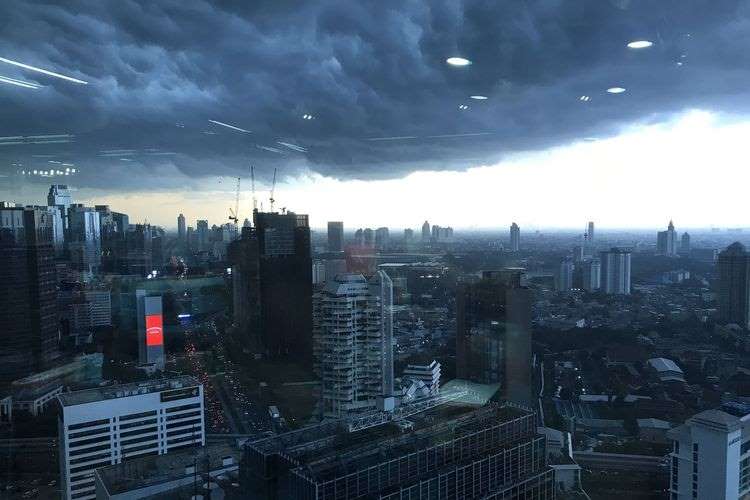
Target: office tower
<point>426,231</point>
<point>181,228</point>
<point>58,230</point>
<point>408,236</point>
<point>59,196</point>
<point>578,253</point>
<point>493,333</point>
<point>382,238</point>
<point>368,237</point>
<point>28,322</point>
<point>590,232</point>
<point>138,251</point>
<point>515,237</point>
<point>615,271</point>
<point>335,236</point>
<point>359,237</point>
<point>733,268</point>
<point>85,243</point>
<point>272,286</point>
<point>710,455</point>
<point>150,330</point>
<point>666,241</point>
<point>685,244</point>
<point>465,453</point>
<point>353,342</point>
<point>202,236</point>
<point>191,240</point>
<point>318,272</point>
<point>565,275</point>
<point>592,275</point>
<point>435,232</point>
<point>109,425</point>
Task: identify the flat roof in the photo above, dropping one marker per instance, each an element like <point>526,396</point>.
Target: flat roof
<point>125,390</point>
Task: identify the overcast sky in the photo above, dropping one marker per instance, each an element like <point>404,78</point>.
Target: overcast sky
<point>355,105</point>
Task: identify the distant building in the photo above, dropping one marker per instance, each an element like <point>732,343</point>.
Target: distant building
<point>710,455</point>
<point>426,234</point>
<point>318,272</point>
<point>353,342</point>
<point>590,232</point>
<point>85,243</point>
<point>272,286</point>
<point>408,238</point>
<point>335,236</point>
<point>427,374</point>
<point>565,275</point>
<point>515,237</point>
<point>202,235</point>
<point>615,271</point>
<point>666,241</point>
<point>382,238</point>
<point>733,269</point>
<point>109,425</point>
<point>591,274</point>
<point>28,322</point>
<point>59,196</point>
<point>369,237</point>
<point>181,228</point>
<point>493,337</point>
<point>685,244</point>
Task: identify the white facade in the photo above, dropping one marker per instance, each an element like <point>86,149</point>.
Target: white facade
<point>710,459</point>
<point>353,342</point>
<point>105,426</point>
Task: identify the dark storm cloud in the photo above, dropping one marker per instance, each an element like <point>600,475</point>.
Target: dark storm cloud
<point>158,71</point>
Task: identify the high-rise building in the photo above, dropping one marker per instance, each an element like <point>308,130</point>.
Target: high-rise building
<point>28,323</point>
<point>150,330</point>
<point>59,196</point>
<point>685,244</point>
<point>382,238</point>
<point>85,242</point>
<point>733,267</point>
<point>590,232</point>
<point>426,234</point>
<point>202,235</point>
<point>591,275</point>
<point>493,337</point>
<point>565,275</point>
<point>710,455</point>
<point>666,241</point>
<point>465,453</point>
<point>615,271</point>
<point>335,236</point>
<point>181,228</point>
<point>369,237</point>
<point>515,237</point>
<point>408,237</point>
<point>353,342</point>
<point>110,425</point>
<point>272,286</point>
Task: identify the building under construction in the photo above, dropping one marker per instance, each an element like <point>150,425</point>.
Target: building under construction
<point>450,451</point>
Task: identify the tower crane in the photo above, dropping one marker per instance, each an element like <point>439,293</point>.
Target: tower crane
<point>273,188</point>
<point>252,184</point>
<point>234,214</point>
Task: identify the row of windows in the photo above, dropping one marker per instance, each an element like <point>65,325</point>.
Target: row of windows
<point>101,430</point>
<point>133,416</point>
<point>84,442</point>
<point>83,451</point>
<point>192,431</point>
<point>196,422</point>
<point>88,424</point>
<point>183,415</point>
<point>138,431</point>
<point>138,424</point>
<point>183,407</point>
<point>140,439</point>
<point>92,457</point>
<point>90,467</point>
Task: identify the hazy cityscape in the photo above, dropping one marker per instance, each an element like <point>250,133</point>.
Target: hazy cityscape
<point>351,251</point>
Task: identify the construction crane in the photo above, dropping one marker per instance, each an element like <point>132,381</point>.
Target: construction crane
<point>252,183</point>
<point>273,188</point>
<point>234,214</point>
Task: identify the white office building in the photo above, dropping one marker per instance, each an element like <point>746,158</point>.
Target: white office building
<point>353,342</point>
<point>108,425</point>
<point>710,458</point>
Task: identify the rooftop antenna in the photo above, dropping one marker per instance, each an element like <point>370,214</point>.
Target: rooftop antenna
<point>273,188</point>
<point>252,183</point>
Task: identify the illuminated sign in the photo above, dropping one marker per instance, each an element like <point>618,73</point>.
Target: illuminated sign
<point>154,330</point>
<point>173,395</point>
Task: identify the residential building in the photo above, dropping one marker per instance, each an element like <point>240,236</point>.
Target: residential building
<point>615,271</point>
<point>591,274</point>
<point>565,275</point>
<point>353,342</point>
<point>109,425</point>
<point>426,234</point>
<point>181,228</point>
<point>733,269</point>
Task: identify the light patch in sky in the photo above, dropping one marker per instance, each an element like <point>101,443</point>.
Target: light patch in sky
<point>678,169</point>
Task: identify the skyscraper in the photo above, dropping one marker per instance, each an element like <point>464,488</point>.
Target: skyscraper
<point>382,238</point>
<point>59,196</point>
<point>85,243</point>
<point>369,237</point>
<point>733,267</point>
<point>426,234</point>
<point>181,228</point>
<point>353,342</point>
<point>515,237</point>
<point>685,244</point>
<point>590,232</point>
<point>202,235</point>
<point>565,275</point>
<point>150,330</point>
<point>591,274</point>
<point>272,285</point>
<point>335,236</point>
<point>615,271</point>
<point>28,323</point>
<point>666,241</point>
<point>493,337</point>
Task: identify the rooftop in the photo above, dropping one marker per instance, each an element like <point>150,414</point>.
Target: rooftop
<point>125,390</point>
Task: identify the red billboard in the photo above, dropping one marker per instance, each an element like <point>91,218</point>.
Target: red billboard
<point>154,330</point>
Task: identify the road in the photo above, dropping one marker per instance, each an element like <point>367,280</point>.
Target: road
<point>620,462</point>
